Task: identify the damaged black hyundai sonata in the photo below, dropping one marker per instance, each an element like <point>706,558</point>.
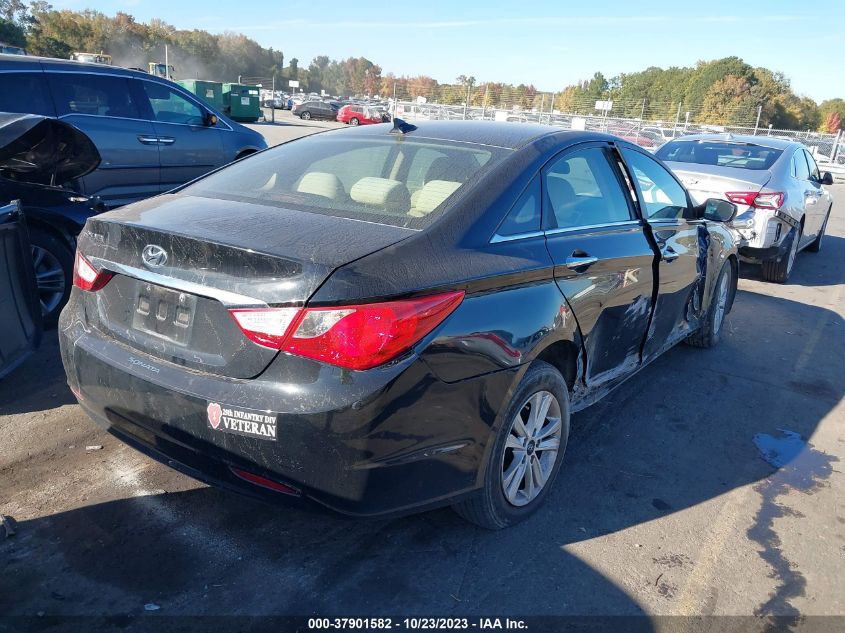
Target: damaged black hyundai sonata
<point>391,319</point>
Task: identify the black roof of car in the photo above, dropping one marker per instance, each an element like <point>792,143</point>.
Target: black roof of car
<point>495,133</point>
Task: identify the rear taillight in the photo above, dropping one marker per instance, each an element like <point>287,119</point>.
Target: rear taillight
<point>86,277</point>
<point>265,326</point>
<point>773,200</point>
<point>356,336</point>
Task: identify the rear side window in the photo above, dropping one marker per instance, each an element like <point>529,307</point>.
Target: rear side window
<point>25,93</point>
<point>582,190</point>
<point>720,154</point>
<point>366,178</point>
<point>524,217</point>
<point>98,95</point>
<point>171,107</point>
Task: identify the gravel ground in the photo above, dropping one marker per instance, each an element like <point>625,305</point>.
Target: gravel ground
<point>664,506</point>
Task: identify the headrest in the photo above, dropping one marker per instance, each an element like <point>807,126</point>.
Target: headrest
<point>381,192</point>
<point>432,195</point>
<point>320,183</point>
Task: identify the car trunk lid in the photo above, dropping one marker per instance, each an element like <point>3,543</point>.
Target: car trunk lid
<point>218,255</point>
<point>713,181</point>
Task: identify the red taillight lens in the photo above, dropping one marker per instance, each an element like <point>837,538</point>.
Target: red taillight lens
<point>265,326</point>
<point>365,336</point>
<point>773,200</point>
<point>86,277</point>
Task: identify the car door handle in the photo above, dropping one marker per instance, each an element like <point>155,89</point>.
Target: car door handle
<point>574,262</point>
<point>166,140</point>
<point>148,140</point>
<point>669,254</point>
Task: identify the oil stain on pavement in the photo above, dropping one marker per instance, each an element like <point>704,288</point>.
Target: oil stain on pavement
<point>799,467</point>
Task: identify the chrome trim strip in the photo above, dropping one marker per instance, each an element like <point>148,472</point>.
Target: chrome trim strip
<point>228,299</point>
<point>496,239</point>
<point>587,227</point>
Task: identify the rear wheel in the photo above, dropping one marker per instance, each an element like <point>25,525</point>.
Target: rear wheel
<point>53,263</point>
<point>527,454</point>
<point>710,331</point>
<point>816,245</point>
<point>353,121</point>
<point>778,270</point>
<point>305,116</point>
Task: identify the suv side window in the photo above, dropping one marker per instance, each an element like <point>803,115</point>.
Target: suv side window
<point>98,95</point>
<point>660,194</point>
<point>811,163</point>
<point>25,93</point>
<point>799,166</point>
<point>582,190</point>
<point>171,107</point>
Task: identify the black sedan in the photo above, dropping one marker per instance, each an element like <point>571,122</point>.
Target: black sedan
<point>390,320</point>
<point>326,110</point>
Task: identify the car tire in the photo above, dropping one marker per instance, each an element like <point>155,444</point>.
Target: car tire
<point>721,302</point>
<point>53,262</point>
<point>816,244</point>
<point>305,116</point>
<point>491,507</point>
<point>354,121</point>
<point>778,270</point>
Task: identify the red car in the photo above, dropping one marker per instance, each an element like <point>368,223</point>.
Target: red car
<point>355,114</point>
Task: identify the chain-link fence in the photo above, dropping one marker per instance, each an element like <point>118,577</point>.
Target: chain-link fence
<point>649,124</point>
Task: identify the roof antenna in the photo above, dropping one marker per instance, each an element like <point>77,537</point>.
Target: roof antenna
<point>402,127</point>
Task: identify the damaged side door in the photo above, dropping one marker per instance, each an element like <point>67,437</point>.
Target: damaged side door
<point>683,244</point>
<point>603,260</point>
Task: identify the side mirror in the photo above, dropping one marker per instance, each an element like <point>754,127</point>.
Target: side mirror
<point>827,178</point>
<point>210,119</point>
<point>719,210</point>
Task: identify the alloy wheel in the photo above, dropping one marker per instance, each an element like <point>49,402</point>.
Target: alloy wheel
<point>50,277</point>
<point>721,302</point>
<point>531,448</point>
<point>793,251</point>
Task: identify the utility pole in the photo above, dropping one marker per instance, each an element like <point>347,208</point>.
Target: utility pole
<point>677,119</point>
<point>273,99</point>
<point>757,122</point>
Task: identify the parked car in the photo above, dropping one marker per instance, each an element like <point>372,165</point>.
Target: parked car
<point>152,134</point>
<point>19,312</point>
<point>781,195</point>
<point>355,114</point>
<point>308,110</point>
<point>38,155</point>
<point>386,320</point>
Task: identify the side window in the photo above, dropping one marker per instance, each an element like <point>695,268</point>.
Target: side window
<point>662,197</point>
<point>524,217</point>
<point>99,95</point>
<point>582,190</point>
<point>171,107</point>
<point>25,93</point>
<point>799,166</point>
<point>814,169</point>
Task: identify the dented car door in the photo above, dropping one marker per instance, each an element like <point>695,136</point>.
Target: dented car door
<point>682,243</point>
<point>602,258</point>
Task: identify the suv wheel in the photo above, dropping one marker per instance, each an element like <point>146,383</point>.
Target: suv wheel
<point>527,453</point>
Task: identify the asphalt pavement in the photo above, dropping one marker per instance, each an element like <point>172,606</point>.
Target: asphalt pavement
<point>710,483</point>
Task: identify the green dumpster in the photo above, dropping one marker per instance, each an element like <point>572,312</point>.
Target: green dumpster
<point>241,102</point>
<point>209,91</point>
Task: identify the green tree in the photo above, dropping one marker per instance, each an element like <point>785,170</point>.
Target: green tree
<point>11,33</point>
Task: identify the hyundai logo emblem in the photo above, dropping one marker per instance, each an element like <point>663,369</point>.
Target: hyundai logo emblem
<point>154,256</point>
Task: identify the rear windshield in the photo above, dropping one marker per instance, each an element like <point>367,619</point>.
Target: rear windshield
<point>720,153</point>
<point>393,179</point>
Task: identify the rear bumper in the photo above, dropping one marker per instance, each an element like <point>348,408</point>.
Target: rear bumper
<point>362,443</point>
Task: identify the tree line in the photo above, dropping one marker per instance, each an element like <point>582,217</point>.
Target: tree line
<point>723,92</point>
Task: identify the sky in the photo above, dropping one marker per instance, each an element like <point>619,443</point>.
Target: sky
<point>549,43</point>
